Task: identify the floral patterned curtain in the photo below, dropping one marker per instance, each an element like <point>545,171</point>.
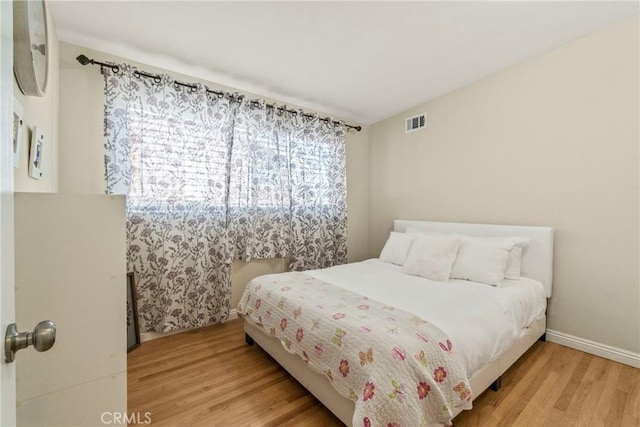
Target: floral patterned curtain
<point>210,179</point>
<point>288,187</point>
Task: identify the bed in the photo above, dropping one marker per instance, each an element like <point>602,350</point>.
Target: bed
<point>489,336</point>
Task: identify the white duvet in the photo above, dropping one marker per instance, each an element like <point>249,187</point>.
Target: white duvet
<point>482,320</point>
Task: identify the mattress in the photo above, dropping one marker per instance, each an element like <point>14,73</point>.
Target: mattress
<point>482,320</point>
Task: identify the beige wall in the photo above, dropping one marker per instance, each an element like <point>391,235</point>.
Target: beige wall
<point>81,154</point>
<point>553,142</point>
<point>41,112</point>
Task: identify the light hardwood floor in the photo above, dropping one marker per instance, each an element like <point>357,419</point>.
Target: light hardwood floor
<point>210,377</point>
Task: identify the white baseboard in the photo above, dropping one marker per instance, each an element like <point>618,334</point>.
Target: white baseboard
<point>148,336</point>
<point>596,348</point>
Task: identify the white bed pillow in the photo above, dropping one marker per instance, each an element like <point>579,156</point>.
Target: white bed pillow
<point>432,256</point>
<point>514,264</point>
<point>482,260</point>
<point>397,247</point>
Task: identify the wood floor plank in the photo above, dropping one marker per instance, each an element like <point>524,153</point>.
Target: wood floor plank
<point>631,384</point>
<point>538,402</point>
<point>605,402</point>
<point>582,408</point>
<point>616,408</point>
<point>574,383</point>
<point>555,417</point>
<point>629,421</point>
<point>210,377</point>
<point>562,366</point>
<point>522,392</point>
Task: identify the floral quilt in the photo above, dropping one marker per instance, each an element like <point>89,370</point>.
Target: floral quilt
<point>399,369</point>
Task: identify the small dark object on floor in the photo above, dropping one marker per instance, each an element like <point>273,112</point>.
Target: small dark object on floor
<point>543,337</point>
<point>495,386</point>
<point>248,339</point>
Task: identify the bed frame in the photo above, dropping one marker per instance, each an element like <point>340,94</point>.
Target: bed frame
<point>537,263</point>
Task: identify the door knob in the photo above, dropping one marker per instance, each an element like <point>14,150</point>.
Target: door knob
<point>42,338</point>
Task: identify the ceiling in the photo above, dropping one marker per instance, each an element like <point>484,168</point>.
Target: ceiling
<point>362,61</point>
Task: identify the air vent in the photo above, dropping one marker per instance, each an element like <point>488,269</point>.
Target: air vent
<point>416,122</point>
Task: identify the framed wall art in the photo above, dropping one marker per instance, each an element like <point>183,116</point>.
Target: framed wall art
<point>17,131</point>
<point>36,153</point>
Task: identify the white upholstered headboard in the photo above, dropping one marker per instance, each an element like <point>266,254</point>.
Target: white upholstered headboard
<point>537,259</point>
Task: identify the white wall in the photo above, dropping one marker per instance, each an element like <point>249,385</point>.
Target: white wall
<point>81,153</point>
<point>41,112</point>
<point>553,142</point>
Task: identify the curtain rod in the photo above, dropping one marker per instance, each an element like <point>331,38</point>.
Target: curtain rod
<point>84,60</point>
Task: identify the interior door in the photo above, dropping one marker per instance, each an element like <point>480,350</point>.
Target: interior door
<point>70,267</point>
<point>7,310</point>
